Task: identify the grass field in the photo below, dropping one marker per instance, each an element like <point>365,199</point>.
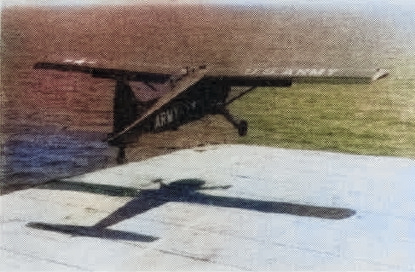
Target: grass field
<point>374,119</point>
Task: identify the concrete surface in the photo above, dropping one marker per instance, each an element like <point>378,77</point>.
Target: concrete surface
<point>225,207</point>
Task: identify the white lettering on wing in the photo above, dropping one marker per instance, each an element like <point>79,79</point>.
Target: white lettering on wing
<point>250,71</point>
<point>80,62</point>
<point>269,71</point>
<point>331,72</point>
<point>314,72</point>
<point>287,72</point>
<point>317,72</point>
<point>302,72</point>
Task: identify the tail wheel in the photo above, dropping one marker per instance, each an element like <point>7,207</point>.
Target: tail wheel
<point>121,155</point>
<point>243,128</point>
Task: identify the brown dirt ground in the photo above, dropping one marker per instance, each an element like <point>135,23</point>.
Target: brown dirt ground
<point>210,130</point>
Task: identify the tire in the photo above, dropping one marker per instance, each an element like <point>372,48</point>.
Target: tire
<point>243,128</point>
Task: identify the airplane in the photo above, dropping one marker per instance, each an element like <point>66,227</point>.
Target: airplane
<point>151,99</point>
<point>180,191</point>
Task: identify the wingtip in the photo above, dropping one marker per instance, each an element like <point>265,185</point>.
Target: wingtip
<point>380,73</point>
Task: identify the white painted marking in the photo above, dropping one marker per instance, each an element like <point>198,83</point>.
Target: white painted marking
<point>331,72</point>
<point>302,72</point>
<point>80,62</point>
<point>288,72</point>
<point>317,72</point>
<point>250,71</point>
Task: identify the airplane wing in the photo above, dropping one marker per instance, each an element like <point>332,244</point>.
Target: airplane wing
<point>127,71</point>
<point>260,76</point>
<point>181,80</point>
<point>250,76</point>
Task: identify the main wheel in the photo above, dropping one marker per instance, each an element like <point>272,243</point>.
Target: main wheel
<point>243,128</point>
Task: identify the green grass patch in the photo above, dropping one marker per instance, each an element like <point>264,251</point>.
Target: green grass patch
<point>371,119</point>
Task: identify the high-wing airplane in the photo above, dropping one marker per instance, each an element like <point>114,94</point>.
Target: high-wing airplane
<point>152,99</point>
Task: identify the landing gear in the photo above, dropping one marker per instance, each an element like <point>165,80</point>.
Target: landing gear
<point>243,128</point>
<point>121,155</point>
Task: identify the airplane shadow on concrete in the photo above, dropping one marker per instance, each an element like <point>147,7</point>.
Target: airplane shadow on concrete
<point>187,191</point>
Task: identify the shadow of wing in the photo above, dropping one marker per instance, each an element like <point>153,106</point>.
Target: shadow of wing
<point>93,232</point>
<point>272,207</point>
<point>85,187</point>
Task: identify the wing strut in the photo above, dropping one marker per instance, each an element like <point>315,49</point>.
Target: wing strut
<point>240,95</point>
<point>240,125</point>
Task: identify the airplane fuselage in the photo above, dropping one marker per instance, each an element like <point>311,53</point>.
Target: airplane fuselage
<point>199,100</point>
<point>205,97</point>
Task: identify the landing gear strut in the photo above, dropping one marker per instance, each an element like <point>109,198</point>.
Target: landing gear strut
<point>121,155</point>
<point>243,128</point>
<point>240,125</point>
